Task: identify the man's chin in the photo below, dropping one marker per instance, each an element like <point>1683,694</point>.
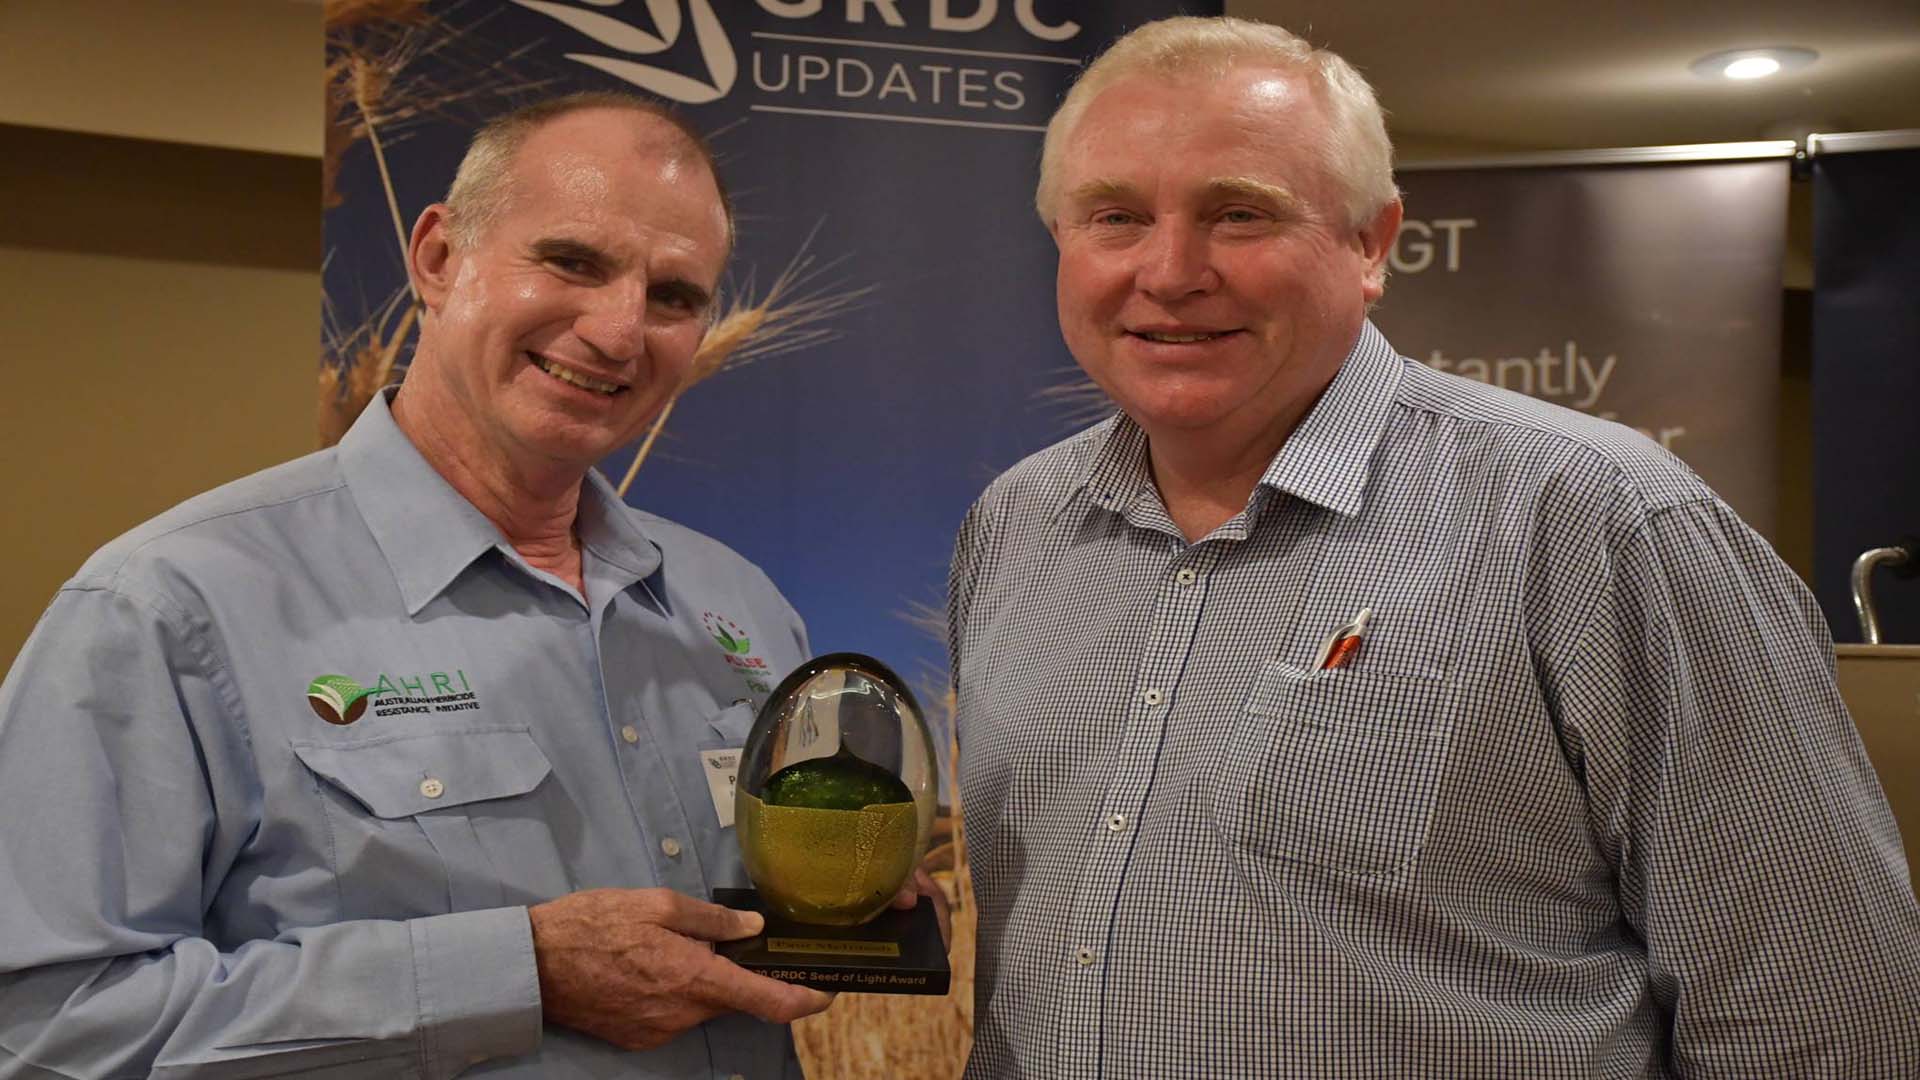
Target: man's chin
<point>558,437</point>
<point>1194,412</point>
<point>558,451</point>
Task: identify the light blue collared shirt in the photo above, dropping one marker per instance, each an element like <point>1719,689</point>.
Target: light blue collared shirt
<point>201,874</point>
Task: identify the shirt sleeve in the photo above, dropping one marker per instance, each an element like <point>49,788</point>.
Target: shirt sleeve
<point>971,549</point>
<point>1754,851</point>
<point>128,792</point>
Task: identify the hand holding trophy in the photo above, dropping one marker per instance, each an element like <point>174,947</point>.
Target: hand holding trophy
<point>834,805</point>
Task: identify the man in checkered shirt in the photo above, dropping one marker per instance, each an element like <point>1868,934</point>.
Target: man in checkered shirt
<point>1582,802</point>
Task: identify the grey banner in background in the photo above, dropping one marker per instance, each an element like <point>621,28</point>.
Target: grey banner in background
<point>1647,294</point>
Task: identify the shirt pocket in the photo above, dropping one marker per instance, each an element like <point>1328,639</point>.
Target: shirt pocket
<point>1335,769</point>
<point>436,822</point>
<point>732,724</point>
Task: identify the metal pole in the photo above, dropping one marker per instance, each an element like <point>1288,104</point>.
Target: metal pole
<point>1863,568</point>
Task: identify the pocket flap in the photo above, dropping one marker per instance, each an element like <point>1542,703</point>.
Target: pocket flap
<point>733,722</point>
<point>1374,699</point>
<point>404,775</point>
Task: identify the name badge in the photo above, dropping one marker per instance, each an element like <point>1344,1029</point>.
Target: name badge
<point>722,767</point>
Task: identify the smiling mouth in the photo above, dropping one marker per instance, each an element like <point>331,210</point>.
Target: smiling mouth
<point>1178,339</point>
<point>574,378</point>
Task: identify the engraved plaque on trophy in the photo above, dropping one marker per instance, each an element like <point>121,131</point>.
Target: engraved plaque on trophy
<point>834,805</point>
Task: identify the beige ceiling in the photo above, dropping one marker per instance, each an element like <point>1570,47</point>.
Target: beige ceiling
<point>1549,74</point>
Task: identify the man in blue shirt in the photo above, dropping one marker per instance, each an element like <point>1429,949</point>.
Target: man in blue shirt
<point>394,760</point>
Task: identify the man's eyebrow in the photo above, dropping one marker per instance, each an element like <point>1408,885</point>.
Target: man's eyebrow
<point>560,247</point>
<point>1251,190</point>
<point>1102,190</point>
<point>693,295</point>
<point>1245,188</point>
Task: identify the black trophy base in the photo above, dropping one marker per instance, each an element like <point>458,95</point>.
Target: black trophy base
<point>899,952</point>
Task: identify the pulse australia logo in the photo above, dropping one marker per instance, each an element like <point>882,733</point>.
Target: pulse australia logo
<point>852,59</point>
<point>341,700</point>
<point>737,649</point>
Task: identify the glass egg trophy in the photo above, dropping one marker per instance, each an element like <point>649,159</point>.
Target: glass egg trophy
<point>837,792</point>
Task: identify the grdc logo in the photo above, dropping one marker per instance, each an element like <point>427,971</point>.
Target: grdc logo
<point>821,78</point>
<point>715,50</point>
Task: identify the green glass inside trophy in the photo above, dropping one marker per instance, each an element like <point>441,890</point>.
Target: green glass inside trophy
<point>835,799</point>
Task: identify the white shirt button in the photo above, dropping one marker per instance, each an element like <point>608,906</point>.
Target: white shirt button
<point>630,733</point>
<point>1116,822</point>
<point>1152,697</point>
<point>1186,576</point>
<point>671,847</point>
<point>1083,956</point>
<point>432,788</point>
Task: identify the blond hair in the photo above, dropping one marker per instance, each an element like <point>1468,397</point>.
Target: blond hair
<point>1354,147</point>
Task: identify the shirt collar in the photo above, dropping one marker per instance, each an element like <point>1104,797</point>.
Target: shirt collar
<point>608,530</point>
<point>429,533</point>
<point>1324,461</point>
<point>1117,471</point>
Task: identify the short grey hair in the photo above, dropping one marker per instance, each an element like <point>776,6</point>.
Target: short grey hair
<point>1354,148</point>
<point>482,186</point>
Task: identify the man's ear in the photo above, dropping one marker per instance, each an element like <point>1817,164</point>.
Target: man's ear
<point>431,256</point>
<point>1376,243</point>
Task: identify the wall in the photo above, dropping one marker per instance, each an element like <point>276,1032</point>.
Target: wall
<point>159,326</point>
<point>242,74</point>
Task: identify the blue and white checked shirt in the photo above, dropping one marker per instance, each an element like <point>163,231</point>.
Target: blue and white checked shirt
<point>202,877</point>
<point>1584,804</point>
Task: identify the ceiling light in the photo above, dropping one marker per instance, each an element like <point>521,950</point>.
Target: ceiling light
<point>1752,63</point>
<point>1751,67</point>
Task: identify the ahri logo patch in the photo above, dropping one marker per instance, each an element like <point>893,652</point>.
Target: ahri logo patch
<point>338,699</point>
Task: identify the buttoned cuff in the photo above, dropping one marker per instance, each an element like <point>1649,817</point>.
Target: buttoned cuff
<point>478,987</point>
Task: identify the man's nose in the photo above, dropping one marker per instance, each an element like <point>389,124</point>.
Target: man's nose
<point>614,321</point>
<point>1176,261</point>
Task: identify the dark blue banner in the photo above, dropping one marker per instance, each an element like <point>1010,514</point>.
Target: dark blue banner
<point>1866,380</point>
<point>896,142</point>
